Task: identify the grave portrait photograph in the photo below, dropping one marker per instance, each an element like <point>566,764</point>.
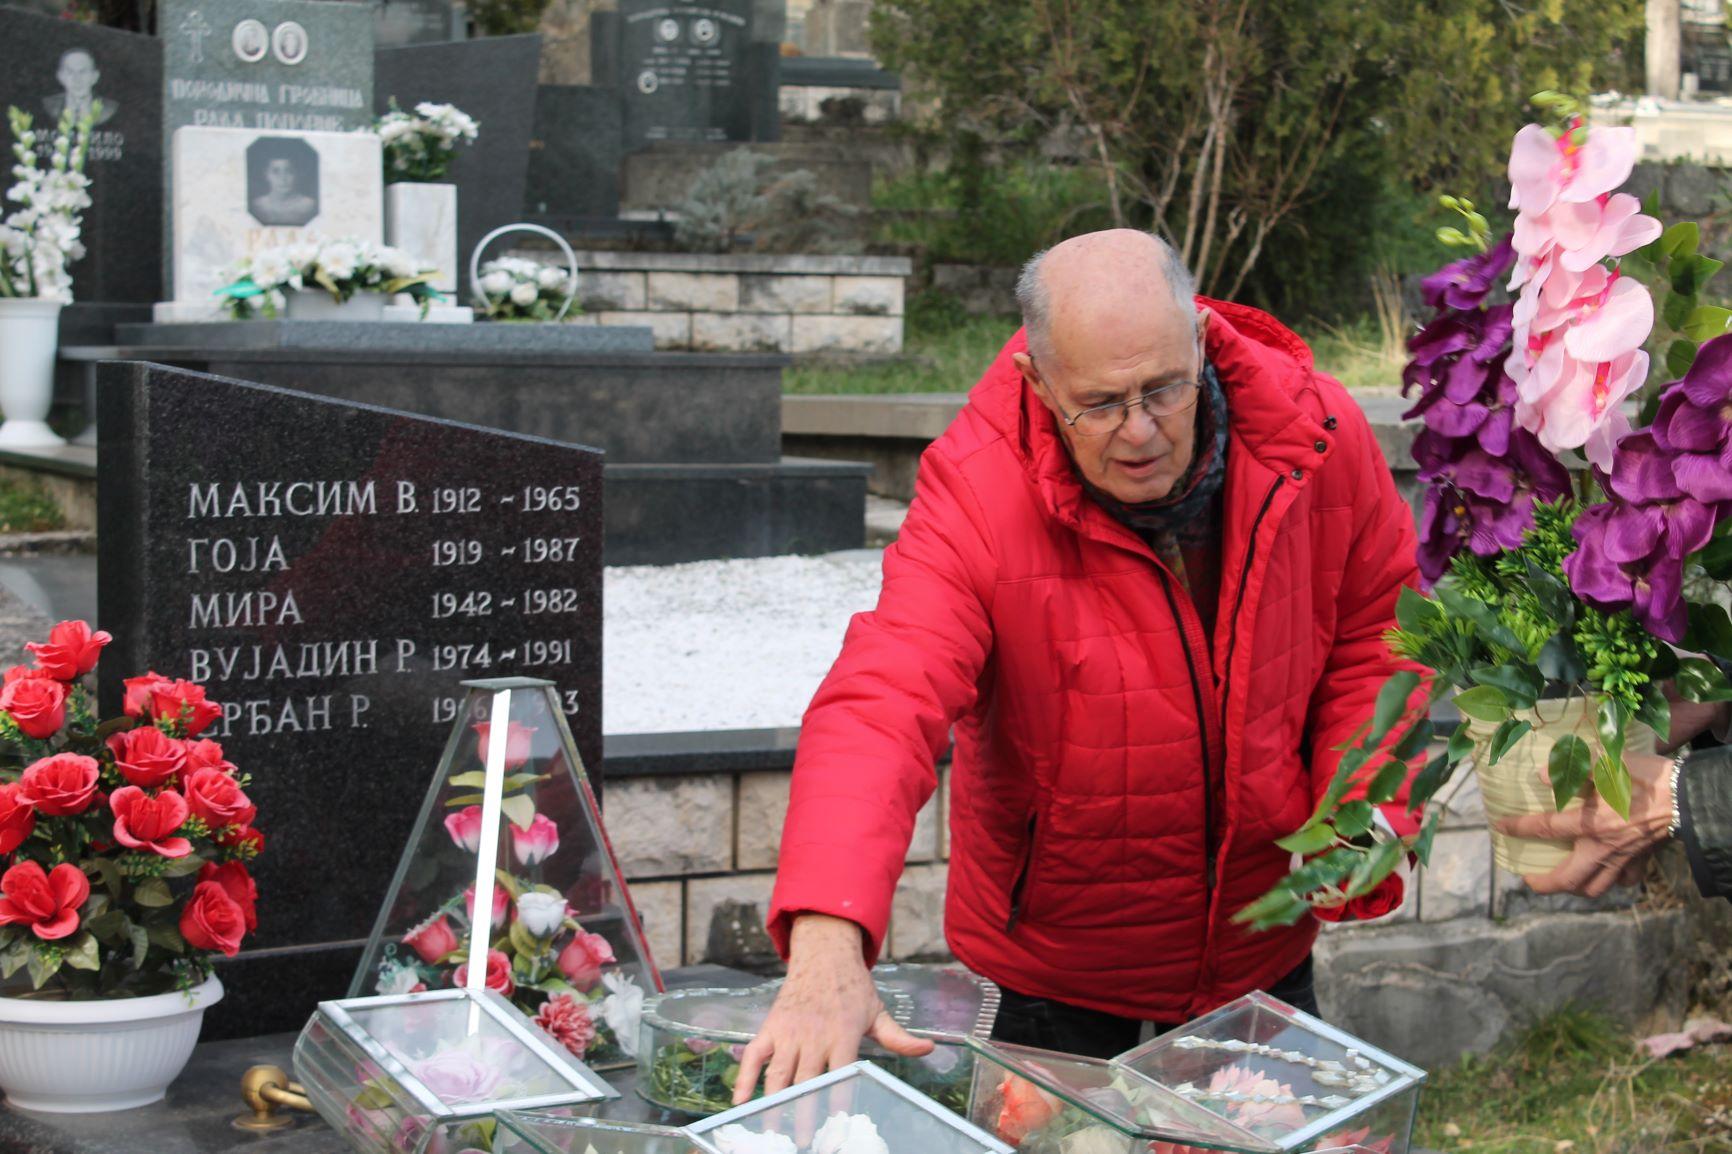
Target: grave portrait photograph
<point>282,181</point>
<point>78,77</point>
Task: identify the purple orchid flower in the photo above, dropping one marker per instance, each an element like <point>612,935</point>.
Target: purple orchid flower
<point>1695,424</point>
<point>1650,586</point>
<point>1464,284</point>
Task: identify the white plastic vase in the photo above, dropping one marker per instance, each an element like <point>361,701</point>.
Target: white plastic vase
<point>421,219</point>
<point>319,305</point>
<point>29,337</point>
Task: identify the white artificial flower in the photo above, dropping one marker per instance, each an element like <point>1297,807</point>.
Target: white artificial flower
<point>339,259</point>
<point>397,979</point>
<point>1093,1140</point>
<point>621,1010</point>
<point>497,282</point>
<point>848,1134</point>
<point>270,268</point>
<point>524,295</point>
<point>736,1139</point>
<point>551,278</point>
<point>398,263</point>
<point>541,914</point>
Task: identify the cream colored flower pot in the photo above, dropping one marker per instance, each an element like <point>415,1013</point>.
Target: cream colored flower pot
<point>1518,784</point>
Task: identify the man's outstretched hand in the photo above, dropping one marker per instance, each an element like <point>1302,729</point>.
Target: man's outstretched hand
<point>825,1007</point>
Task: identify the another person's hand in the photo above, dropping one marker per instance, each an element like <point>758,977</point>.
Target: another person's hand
<point>1608,850</point>
<point>1692,718</point>
<point>825,1007</point>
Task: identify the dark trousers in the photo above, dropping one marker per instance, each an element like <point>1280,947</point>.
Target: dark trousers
<point>1053,1025</point>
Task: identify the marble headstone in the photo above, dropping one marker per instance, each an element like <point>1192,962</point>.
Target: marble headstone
<point>493,80</point>
<point>238,191</point>
<point>47,64</point>
<point>332,572</point>
<point>575,155</point>
<point>684,71</point>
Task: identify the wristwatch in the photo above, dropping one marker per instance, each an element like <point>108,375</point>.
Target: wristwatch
<point>1676,829</point>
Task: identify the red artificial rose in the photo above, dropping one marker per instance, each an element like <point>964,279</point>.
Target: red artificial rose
<point>519,742</point>
<point>46,902</point>
<point>19,672</point>
<point>70,651</point>
<point>60,785</point>
<point>212,920</point>
<point>147,757</point>
<point>238,884</point>
<point>498,974</point>
<point>37,704</point>
<point>432,939</point>
<point>207,754</point>
<point>183,702</point>
<point>139,691</point>
<point>581,961</point>
<point>214,796</point>
<point>17,818</point>
<point>145,822</point>
<point>241,837</point>
<point>1380,902</point>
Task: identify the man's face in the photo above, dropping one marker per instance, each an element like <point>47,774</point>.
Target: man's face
<point>280,175</point>
<point>78,74</point>
<point>1145,456</point>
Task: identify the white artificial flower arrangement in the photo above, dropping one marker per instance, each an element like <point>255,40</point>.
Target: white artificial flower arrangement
<point>514,289</point>
<point>341,267</point>
<point>40,240</point>
<point>419,146</point>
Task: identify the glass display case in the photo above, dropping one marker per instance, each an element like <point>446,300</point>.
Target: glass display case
<point>858,1109</point>
<point>949,1005</point>
<point>533,1133</point>
<point>427,1071</point>
<point>690,1043</point>
<point>509,863</point>
<point>1255,1076</point>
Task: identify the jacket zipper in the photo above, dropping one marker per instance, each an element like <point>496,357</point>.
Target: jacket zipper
<point>1021,883</point>
<point>1244,576</point>
<point>1203,740</point>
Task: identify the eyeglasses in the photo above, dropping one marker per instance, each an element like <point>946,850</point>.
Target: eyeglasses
<point>1165,401</point>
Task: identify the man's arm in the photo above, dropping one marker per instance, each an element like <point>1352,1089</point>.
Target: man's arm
<point>866,763</point>
<point>1380,562</point>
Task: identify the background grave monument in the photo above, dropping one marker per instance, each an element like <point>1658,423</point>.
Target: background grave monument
<point>690,72</point>
<point>238,191</point>
<point>46,64</point>
<point>332,572</point>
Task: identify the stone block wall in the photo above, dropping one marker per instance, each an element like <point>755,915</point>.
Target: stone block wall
<point>699,853</point>
<point>799,304</point>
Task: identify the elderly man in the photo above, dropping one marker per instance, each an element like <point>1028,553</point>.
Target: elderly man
<point>1144,580</point>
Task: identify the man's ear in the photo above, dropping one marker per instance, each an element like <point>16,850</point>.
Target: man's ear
<point>1031,376</point>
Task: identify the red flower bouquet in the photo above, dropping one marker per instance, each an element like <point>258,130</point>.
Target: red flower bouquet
<point>123,844</point>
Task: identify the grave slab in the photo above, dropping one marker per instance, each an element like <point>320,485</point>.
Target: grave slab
<point>331,572</point>
<point>685,71</point>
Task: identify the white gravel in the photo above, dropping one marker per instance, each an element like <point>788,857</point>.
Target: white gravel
<point>726,644</point>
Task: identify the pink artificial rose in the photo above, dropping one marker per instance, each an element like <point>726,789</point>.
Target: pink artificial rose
<point>432,940</point>
<point>537,843</point>
<point>20,672</point>
<point>183,703</point>
<point>498,974</point>
<point>207,754</point>
<point>37,704</point>
<point>464,826</point>
<point>46,902</point>
<point>17,818</point>
<point>581,961</point>
<point>458,1077</point>
<point>213,795</point>
<point>144,822</point>
<point>519,743</point>
<point>70,651</point>
<point>60,786</point>
<point>238,884</point>
<point>501,904</point>
<point>147,757</point>
<point>212,920</point>
<point>567,1021</point>
<point>140,690</point>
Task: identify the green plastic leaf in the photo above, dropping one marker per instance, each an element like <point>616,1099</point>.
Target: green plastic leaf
<point>140,939</point>
<point>82,953</point>
<point>1710,631</point>
<point>1522,684</point>
<point>1655,712</point>
<point>1484,703</point>
<point>1460,743</point>
<point>1612,780</point>
<point>166,936</point>
<point>15,957</point>
<point>42,968</point>
<point>1376,866</point>
<point>1680,355</point>
<point>1610,721</point>
<point>1428,781</point>
<point>1482,616</point>
<point>1351,762</point>
<point>1309,839</point>
<point>1279,907</point>
<point>1505,738</point>
<point>1414,610</point>
<point>523,943</point>
<point>1414,741</point>
<point>1384,786</point>
<point>521,811</point>
<point>1554,597</point>
<point>1676,311</point>
<point>1716,558</point>
<point>1701,680</point>
<point>109,927</point>
<point>1568,765</point>
<point>1428,834</point>
<point>152,893</point>
<point>1682,239</point>
<point>1559,660</point>
<point>473,779</point>
<point>1706,322</point>
<point>1354,818</point>
<point>181,867</point>
<point>1391,704</point>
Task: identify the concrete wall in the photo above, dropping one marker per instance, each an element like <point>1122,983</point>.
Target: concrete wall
<point>804,305</point>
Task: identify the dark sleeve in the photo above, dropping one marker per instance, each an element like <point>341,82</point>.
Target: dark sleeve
<point>1705,805</point>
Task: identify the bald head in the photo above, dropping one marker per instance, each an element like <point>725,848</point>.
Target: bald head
<point>1103,286</point>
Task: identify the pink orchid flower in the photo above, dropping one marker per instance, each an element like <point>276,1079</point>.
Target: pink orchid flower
<point>1545,169</point>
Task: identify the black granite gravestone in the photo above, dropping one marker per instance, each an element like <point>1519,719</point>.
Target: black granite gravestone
<point>46,64</point>
<point>493,80</point>
<point>403,22</point>
<point>331,572</point>
<point>684,70</point>
<point>575,154</point>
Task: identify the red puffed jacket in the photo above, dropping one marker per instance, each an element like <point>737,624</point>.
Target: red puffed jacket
<point>1119,778</point>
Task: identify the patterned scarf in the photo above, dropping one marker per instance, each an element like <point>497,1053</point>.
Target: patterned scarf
<point>1189,515</point>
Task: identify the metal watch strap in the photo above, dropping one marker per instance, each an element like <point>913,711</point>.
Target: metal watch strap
<point>1676,829</point>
